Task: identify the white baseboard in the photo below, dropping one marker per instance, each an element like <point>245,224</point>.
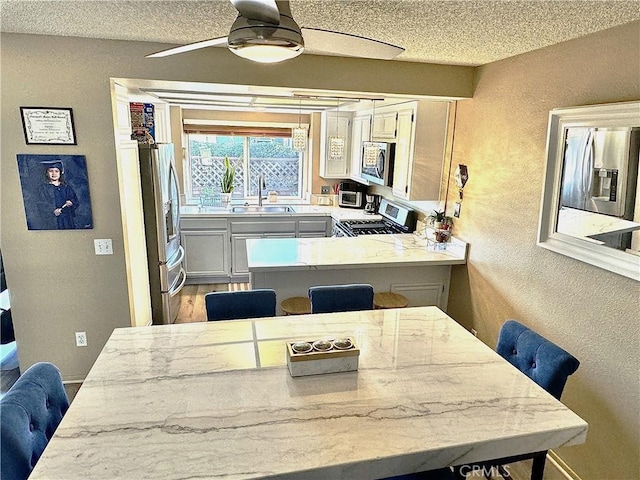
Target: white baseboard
<point>560,466</point>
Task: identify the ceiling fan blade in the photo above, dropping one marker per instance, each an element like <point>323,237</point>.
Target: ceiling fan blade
<point>344,44</point>
<point>262,10</point>
<point>189,47</point>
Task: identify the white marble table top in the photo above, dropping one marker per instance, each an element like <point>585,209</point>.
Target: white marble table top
<point>579,223</point>
<point>363,251</point>
<point>215,400</point>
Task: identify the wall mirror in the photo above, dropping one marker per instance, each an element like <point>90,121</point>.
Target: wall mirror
<point>590,200</point>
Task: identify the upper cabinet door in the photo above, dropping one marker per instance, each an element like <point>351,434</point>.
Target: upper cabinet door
<point>360,132</point>
<point>385,126</point>
<point>404,154</point>
<point>335,124</point>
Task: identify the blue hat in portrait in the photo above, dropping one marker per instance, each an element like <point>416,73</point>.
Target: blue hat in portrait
<point>54,164</point>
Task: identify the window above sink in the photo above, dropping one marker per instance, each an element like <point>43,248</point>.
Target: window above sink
<point>272,156</point>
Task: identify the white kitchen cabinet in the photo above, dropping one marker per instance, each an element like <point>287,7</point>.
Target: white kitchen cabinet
<point>420,150</point>
<point>334,123</point>
<point>239,266</point>
<point>205,253</point>
<point>384,126</point>
<point>239,253</point>
<point>215,248</point>
<point>431,140</point>
<point>244,228</point>
<point>360,132</point>
<point>420,131</point>
<point>404,153</point>
<point>206,246</point>
<point>420,293</point>
<point>311,227</point>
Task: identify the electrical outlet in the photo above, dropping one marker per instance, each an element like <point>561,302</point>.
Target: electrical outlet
<point>81,339</point>
<point>103,246</point>
<point>325,189</point>
<point>474,332</point>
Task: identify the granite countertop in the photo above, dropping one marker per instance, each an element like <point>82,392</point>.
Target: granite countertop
<point>364,251</point>
<point>215,400</point>
<point>338,213</point>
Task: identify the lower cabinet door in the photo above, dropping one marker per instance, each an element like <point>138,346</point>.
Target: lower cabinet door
<point>239,254</point>
<point>206,253</point>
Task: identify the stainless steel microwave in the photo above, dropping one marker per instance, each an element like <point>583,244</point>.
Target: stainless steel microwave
<point>377,162</point>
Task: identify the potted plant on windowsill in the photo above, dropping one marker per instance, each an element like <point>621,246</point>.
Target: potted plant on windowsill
<point>227,182</point>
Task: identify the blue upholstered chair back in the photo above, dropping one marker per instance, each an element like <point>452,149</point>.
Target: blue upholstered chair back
<point>541,360</point>
<point>341,298</point>
<point>240,304</point>
<point>30,412</point>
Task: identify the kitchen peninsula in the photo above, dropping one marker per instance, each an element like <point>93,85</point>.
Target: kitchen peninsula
<point>403,263</point>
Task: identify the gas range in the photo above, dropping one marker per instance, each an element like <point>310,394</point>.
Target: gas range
<point>395,219</point>
<point>353,228</point>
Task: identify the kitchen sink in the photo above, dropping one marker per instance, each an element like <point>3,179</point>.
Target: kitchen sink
<point>263,209</point>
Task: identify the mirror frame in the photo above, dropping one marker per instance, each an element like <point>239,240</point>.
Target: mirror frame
<point>606,115</point>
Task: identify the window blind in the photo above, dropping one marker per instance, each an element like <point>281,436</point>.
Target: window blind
<point>245,131</point>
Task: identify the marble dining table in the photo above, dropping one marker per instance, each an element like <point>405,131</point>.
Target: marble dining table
<point>216,400</point>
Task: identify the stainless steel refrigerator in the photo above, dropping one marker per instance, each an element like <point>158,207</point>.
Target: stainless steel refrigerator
<point>600,170</point>
<point>600,174</point>
<point>161,204</point>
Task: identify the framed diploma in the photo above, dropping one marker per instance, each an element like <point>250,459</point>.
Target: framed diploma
<point>48,126</point>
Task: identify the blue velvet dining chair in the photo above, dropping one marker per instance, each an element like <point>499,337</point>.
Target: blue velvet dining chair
<point>240,304</point>
<point>543,362</point>
<point>30,413</point>
<point>341,298</point>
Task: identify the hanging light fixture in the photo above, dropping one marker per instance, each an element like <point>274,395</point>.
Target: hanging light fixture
<point>370,151</point>
<point>299,133</point>
<point>336,142</point>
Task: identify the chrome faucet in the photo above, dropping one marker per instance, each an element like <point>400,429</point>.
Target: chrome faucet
<point>261,187</point>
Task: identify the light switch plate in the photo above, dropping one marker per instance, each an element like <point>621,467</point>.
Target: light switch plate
<point>103,246</point>
<point>325,189</point>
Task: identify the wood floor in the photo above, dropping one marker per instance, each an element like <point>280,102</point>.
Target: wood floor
<point>192,300</point>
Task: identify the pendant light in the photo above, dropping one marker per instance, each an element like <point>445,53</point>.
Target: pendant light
<point>299,133</point>
<point>336,142</point>
<point>370,153</point>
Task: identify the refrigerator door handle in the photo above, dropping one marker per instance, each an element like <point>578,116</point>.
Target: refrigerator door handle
<point>178,260</point>
<point>183,276</point>
<point>174,202</point>
<point>164,277</point>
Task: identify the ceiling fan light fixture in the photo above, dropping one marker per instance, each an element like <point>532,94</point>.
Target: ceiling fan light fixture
<point>263,42</point>
<point>267,53</point>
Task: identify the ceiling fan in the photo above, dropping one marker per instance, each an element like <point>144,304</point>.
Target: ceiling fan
<point>265,32</point>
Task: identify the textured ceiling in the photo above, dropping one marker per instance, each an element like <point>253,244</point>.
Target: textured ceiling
<point>458,32</point>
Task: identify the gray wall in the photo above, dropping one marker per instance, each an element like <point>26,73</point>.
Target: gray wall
<point>593,313</point>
